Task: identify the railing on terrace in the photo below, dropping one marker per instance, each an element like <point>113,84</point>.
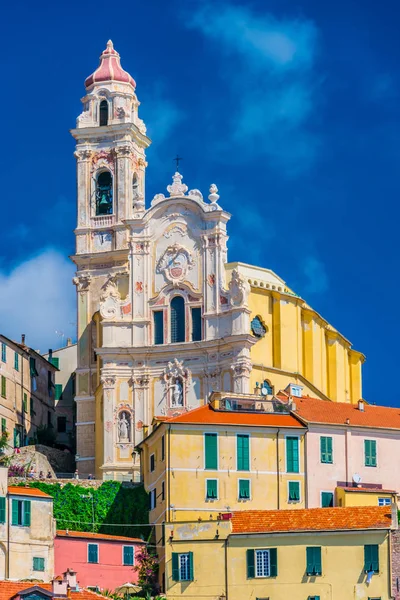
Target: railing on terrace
<point>226,401</point>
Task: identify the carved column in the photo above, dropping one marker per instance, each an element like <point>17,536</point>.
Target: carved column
<point>83,186</point>
<point>124,182</point>
<point>142,410</point>
<point>108,382</point>
<point>241,376</point>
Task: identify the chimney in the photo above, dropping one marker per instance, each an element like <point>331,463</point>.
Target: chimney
<point>60,587</point>
<point>70,577</point>
<point>361,405</point>
<point>69,341</point>
<point>23,339</point>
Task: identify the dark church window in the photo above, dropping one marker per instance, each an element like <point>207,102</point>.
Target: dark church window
<point>104,204</point>
<point>103,113</point>
<point>196,324</point>
<point>177,320</point>
<point>158,316</point>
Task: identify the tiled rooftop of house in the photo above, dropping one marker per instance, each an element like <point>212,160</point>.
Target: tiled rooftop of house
<point>97,536</point>
<point>10,589</point>
<point>206,414</point>
<point>17,490</point>
<point>311,519</point>
<point>371,490</point>
<point>314,410</point>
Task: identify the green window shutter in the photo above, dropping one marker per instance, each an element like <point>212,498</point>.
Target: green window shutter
<point>58,391</point>
<point>32,412</point>
<point>3,387</point>
<point>175,566</point>
<point>329,450</point>
<point>128,555</point>
<point>294,491</point>
<point>244,489</point>
<point>32,367</point>
<point>292,454</point>
<point>326,499</point>
<point>371,558</point>
<point>93,553</point>
<point>14,512</point>
<point>27,513</point>
<point>196,324</point>
<point>2,510</point>
<point>251,568</point>
<point>38,563</point>
<point>243,454</point>
<point>373,453</point>
<point>3,425</point>
<point>367,453</point>
<point>273,562</point>
<point>318,560</point>
<point>326,450</point>
<point>323,449</point>
<point>55,361</point>
<point>25,403</point>
<point>158,320</point>
<point>310,561</point>
<point>3,352</point>
<point>191,566</point>
<point>212,489</point>
<point>211,450</point>
<point>16,361</point>
<point>163,447</point>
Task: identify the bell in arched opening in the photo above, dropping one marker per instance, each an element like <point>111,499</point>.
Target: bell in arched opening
<point>104,203</point>
<point>103,113</point>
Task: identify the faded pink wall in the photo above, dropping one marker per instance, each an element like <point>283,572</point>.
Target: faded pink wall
<point>324,477</point>
<point>108,573</point>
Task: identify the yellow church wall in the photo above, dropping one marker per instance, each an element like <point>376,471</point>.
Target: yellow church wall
<point>99,431</point>
<point>342,564</point>
<point>260,304</point>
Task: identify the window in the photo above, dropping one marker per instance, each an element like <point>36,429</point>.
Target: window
<point>262,563</point>
<point>371,558</point>
<point>294,491</point>
<point>314,561</point>
<point>326,449</point>
<point>152,462</point>
<point>61,424</point>
<point>3,425</point>
<point>196,324</point>
<point>163,447</point>
<point>49,423</point>
<point>32,412</point>
<point>3,387</point>
<point>177,320</point>
<point>244,489</point>
<point>55,361</point>
<point>163,533</point>
<point>153,499</point>
<point>2,510</point>
<point>128,554</point>
<point>296,390</point>
<point>17,436</point>
<point>38,563</point>
<point>384,501</point>
<point>313,597</point>
<point>158,320</point>
<point>32,367</point>
<point>162,491</point>
<point>370,453</point>
<point>93,553</point>
<point>3,352</point>
<point>58,391</point>
<point>16,361</point>
<point>326,499</point>
<point>25,402</point>
<point>211,451</point>
<point>211,489</point>
<point>182,566</point>
<point>104,199</point>
<point>242,452</point>
<point>292,454</point>
<point>103,121</point>
<point>21,513</point>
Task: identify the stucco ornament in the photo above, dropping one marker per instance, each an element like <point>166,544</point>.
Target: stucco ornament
<point>110,299</point>
<point>239,289</point>
<point>214,197</point>
<point>175,262</point>
<point>177,188</point>
<point>82,282</point>
<point>177,379</point>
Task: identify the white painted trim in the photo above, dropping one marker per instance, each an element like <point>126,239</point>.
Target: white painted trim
<point>128,546</point>
<point>252,472</point>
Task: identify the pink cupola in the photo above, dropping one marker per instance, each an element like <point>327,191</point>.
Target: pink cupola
<point>109,69</point>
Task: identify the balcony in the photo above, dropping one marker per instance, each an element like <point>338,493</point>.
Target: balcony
<point>103,221</point>
<point>247,403</point>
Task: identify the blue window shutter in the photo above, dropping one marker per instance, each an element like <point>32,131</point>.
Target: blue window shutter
<point>196,325</point>
<point>273,562</point>
<point>177,320</point>
<point>27,513</point>
<point>14,512</point>
<point>175,566</point>
<point>251,568</point>
<point>2,510</point>
<point>211,451</point>
<point>158,322</point>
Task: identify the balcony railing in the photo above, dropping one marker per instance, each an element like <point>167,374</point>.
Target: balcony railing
<point>229,402</point>
<point>103,221</point>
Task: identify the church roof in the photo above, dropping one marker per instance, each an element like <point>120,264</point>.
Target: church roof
<point>109,68</point>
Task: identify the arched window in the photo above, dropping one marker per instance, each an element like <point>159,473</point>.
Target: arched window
<point>103,113</point>
<point>104,203</point>
<point>177,320</point>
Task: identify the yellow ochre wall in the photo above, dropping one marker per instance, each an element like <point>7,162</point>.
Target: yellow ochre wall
<point>185,490</point>
<point>342,564</point>
<point>361,498</point>
<point>300,344</point>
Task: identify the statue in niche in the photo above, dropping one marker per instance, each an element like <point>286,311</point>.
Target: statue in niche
<point>177,393</point>
<point>123,428</point>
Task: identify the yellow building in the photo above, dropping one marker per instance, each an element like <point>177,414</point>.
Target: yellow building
<point>360,496</point>
<point>314,554</point>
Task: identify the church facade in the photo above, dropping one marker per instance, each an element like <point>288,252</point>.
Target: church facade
<point>163,318</point>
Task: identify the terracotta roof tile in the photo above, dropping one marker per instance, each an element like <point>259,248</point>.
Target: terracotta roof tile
<point>311,519</point>
<point>371,490</point>
<point>206,414</point>
<point>97,536</point>
<point>314,410</point>
<point>8,589</point>
<point>27,491</point>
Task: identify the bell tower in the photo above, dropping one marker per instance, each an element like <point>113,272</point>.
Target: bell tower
<point>110,153</point>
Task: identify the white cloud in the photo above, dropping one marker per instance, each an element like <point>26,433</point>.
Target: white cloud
<point>269,67</point>
<point>315,276</point>
<point>38,298</point>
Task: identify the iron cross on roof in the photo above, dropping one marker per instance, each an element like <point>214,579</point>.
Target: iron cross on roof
<point>177,159</point>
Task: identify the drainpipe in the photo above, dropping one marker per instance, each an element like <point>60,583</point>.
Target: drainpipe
<point>346,452</point>
<point>305,470</point>
<point>277,470</point>
<point>169,473</point>
<point>226,567</point>
<point>8,538</point>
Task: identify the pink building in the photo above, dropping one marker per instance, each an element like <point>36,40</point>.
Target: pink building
<point>101,561</point>
<point>349,445</point>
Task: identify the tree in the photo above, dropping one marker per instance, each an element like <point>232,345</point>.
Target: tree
<point>147,569</point>
<point>4,459</point>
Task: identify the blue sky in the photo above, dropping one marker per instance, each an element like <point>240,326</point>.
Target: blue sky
<point>291,108</point>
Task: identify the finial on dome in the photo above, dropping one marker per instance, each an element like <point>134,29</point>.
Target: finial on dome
<point>110,45</point>
<point>177,188</point>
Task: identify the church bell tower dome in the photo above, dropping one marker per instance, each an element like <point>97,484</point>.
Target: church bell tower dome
<point>109,69</point>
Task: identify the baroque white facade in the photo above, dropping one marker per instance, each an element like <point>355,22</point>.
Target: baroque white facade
<point>160,324</point>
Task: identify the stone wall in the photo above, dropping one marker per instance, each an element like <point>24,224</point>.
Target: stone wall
<point>395,542</point>
<point>45,459</point>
